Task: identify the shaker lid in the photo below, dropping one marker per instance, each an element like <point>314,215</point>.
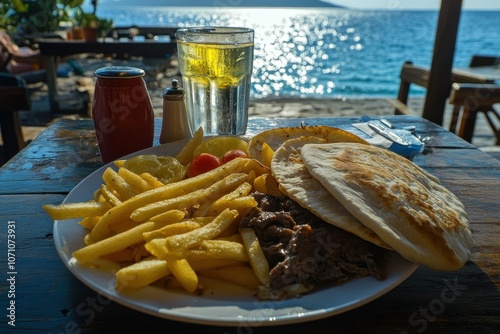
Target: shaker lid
<point>173,91</point>
<point>124,72</point>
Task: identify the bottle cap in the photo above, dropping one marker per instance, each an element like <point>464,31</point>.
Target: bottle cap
<point>119,72</point>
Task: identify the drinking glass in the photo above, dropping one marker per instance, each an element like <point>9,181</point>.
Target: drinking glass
<point>122,112</point>
<point>216,66</point>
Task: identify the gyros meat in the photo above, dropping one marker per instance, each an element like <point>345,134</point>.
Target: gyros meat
<point>304,252</point>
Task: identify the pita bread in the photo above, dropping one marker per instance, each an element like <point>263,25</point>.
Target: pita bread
<point>276,136</point>
<point>296,182</point>
<point>406,206</point>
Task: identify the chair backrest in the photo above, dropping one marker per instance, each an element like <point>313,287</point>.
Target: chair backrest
<point>414,74</point>
<point>411,74</point>
<point>5,55</point>
<point>6,42</point>
<point>480,60</point>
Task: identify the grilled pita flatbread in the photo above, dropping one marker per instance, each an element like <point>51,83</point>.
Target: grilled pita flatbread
<point>276,136</point>
<point>403,204</point>
<point>296,182</point>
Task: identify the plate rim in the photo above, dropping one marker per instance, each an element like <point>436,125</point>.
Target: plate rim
<point>79,271</point>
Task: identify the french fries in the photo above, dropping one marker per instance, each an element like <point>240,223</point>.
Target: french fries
<point>267,154</point>
<point>114,244</point>
<point>153,181</point>
<point>180,242</point>
<point>220,187</point>
<point>109,196</point>
<point>141,274</point>
<point>218,249</point>
<point>77,210</point>
<point>169,191</point>
<point>136,181</point>
<point>186,154</point>
<point>183,272</point>
<point>115,181</point>
<point>174,231</point>
<point>241,275</point>
<point>267,184</point>
<point>258,261</point>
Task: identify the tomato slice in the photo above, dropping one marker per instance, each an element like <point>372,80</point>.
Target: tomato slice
<point>233,154</point>
<point>203,163</point>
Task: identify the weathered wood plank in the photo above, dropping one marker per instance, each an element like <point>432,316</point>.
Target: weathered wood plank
<point>55,162</point>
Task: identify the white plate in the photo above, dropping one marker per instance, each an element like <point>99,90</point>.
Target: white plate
<point>224,304</point>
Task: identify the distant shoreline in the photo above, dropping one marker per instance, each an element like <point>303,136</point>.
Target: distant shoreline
<point>108,6</point>
<point>234,4</point>
<point>196,7</point>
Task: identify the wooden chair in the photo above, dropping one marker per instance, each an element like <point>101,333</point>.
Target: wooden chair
<point>21,61</point>
<point>472,99</point>
<point>13,98</point>
<point>15,59</point>
<point>476,61</point>
<point>411,74</point>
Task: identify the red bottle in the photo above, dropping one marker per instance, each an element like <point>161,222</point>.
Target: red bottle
<point>122,111</point>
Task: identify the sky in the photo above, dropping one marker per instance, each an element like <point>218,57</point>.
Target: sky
<point>411,4</point>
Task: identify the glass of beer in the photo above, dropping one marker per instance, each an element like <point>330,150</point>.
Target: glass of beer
<point>216,66</point>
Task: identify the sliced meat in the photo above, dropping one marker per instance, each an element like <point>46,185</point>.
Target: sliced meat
<point>303,251</point>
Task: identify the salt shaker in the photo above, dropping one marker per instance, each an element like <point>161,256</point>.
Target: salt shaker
<point>174,126</point>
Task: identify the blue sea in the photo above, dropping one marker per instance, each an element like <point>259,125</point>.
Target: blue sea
<point>329,53</point>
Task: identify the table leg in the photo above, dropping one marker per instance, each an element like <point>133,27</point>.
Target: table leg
<point>468,123</point>
<point>50,67</point>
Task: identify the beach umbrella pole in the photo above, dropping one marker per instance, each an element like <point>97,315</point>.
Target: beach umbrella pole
<point>439,84</point>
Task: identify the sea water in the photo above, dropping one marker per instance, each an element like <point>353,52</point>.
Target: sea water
<point>329,53</point>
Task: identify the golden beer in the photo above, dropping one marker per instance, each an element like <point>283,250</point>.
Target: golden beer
<point>216,67</point>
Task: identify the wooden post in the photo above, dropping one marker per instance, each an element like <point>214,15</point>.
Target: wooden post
<point>439,86</point>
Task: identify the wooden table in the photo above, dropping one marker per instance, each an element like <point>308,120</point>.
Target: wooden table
<point>486,73</point>
<point>48,299</point>
<point>51,49</point>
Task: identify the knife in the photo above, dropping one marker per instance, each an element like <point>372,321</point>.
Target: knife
<point>387,133</point>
